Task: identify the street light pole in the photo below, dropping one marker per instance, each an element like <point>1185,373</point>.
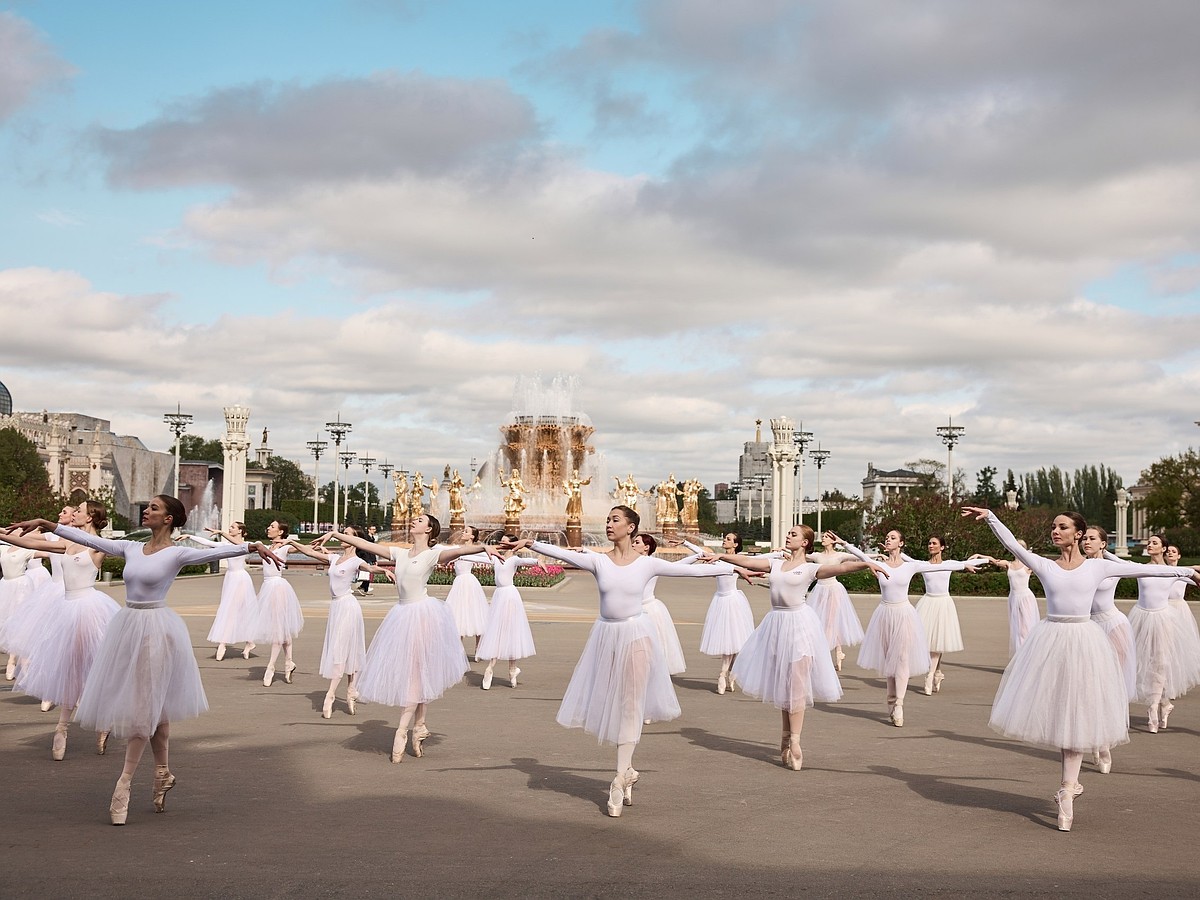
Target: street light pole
<point>337,430</point>
<point>819,456</point>
<point>762,500</point>
<point>347,457</point>
<point>801,439</point>
<point>178,422</point>
<point>950,435</point>
<point>367,462</point>
<point>316,448</point>
<point>385,469</point>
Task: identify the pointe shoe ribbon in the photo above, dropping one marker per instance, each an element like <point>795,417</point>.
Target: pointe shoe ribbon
<point>163,782</point>
<point>118,807</point>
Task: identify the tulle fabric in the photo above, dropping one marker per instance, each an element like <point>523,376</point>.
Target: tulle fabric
<point>835,612</point>
<point>728,624</point>
<point>1166,654</point>
<point>59,663</point>
<point>1063,690</point>
<point>786,661</point>
<point>415,656</point>
<point>939,615</point>
<point>27,626</point>
<point>664,626</point>
<point>468,604</point>
<point>1189,621</point>
<point>1120,635</point>
<point>507,634</point>
<point>144,674</point>
<point>620,681</point>
<point>1022,616</point>
<point>895,642</point>
<point>345,642</point>
<point>279,617</point>
<point>13,592</point>
<point>237,613</point>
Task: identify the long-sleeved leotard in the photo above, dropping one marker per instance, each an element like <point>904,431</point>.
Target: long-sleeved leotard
<point>237,613</point>
<point>507,634</point>
<point>729,621</point>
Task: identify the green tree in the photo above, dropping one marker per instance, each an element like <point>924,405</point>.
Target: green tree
<point>24,486</point>
<point>986,493</point>
<point>193,446</point>
<point>933,477</point>
<point>706,512</point>
<point>290,481</point>
<point>1174,497</point>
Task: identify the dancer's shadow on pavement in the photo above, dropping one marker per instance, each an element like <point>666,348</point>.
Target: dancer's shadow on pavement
<point>720,743</point>
<point>560,779</point>
<point>953,792</point>
<point>708,686</point>
<point>375,736</point>
<point>993,743</point>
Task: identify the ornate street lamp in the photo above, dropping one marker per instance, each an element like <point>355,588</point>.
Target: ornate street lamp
<point>337,430</point>
<point>801,439</point>
<point>950,435</point>
<point>347,457</point>
<point>178,422</point>
<point>819,456</point>
<point>316,448</point>
<point>366,462</point>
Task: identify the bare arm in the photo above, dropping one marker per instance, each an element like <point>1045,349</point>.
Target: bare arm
<point>452,553</point>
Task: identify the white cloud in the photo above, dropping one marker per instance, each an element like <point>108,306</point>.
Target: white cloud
<point>27,64</point>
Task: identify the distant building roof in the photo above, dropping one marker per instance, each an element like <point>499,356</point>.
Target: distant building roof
<point>6,406</point>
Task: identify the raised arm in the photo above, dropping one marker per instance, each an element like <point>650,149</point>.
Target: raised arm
<point>1123,569</point>
<point>308,551</point>
<point>687,570</point>
<point>37,543</point>
<point>1006,537</point>
<point>459,550</point>
<point>92,541</point>
<point>587,561</point>
<point>750,563</point>
<point>851,565</point>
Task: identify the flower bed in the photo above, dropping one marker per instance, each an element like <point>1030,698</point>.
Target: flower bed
<point>530,577</point>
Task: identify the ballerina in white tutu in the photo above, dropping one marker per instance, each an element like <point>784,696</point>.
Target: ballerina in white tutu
<point>729,621</point>
<point>1022,604</point>
<point>279,615</point>
<point>657,610</point>
<point>507,634</point>
<point>830,601</point>
<point>938,614</point>
<point>621,680</point>
<point>237,613</point>
<point>144,674</point>
<point>1064,690</point>
<point>14,588</point>
<point>416,655</point>
<point>25,628</point>
<point>70,634</point>
<point>345,648</point>
<point>786,660</point>
<point>466,599</point>
<point>896,644</point>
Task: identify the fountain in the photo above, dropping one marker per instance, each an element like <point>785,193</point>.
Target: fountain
<point>205,514</point>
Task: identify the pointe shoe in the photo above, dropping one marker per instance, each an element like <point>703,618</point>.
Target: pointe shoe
<point>246,650</point>
<point>420,733</point>
<point>1064,798</point>
<point>351,698</point>
<point>929,683</point>
<point>512,676</point>
<point>732,683</point>
<point>398,745</point>
<point>101,743</point>
<point>487,680</point>
<point>838,658</point>
<point>721,683</point>
<point>1104,761</point>
<point>10,671</point>
<point>327,707</point>
<point>58,748</point>
<point>118,807</point>
<point>1165,713</point>
<point>1152,720</point>
<point>784,743</point>
<point>163,782</point>
<point>47,705</point>
<point>898,715</point>
<point>631,777</point>
<point>621,789</point>
<point>288,670</point>
<point>220,652</point>
<point>938,677</point>
<point>268,676</point>
<point>793,756</point>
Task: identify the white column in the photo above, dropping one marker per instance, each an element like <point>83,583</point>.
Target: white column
<point>782,454</point>
<point>235,444</point>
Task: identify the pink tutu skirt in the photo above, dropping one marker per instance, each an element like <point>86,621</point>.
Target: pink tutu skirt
<point>836,614</point>
<point>60,662</point>
<point>345,649</point>
<point>665,627</point>
<point>415,657</point>
<point>786,661</point>
<point>468,604</point>
<point>279,616</point>
<point>727,625</point>
<point>895,641</point>
<point>507,634</point>
<point>237,614</point>
<point>144,674</point>
<point>620,681</point>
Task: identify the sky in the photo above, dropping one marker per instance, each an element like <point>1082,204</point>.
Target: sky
<point>865,216</point>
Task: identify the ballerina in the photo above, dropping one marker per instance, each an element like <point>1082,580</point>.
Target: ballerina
<point>71,632</point>
<point>26,626</point>
<point>830,601</point>
<point>729,621</point>
<point>938,614</point>
<point>345,647</point>
<point>896,644</point>
<point>1063,690</point>
<point>237,613</point>
<point>621,679</point>
<point>416,655</point>
<point>144,675</point>
<point>279,615</point>
<point>14,588</point>
<point>1177,596</point>
<point>507,634</point>
<point>786,661</point>
<point>466,599</point>
<point>646,545</point>
<point>1022,604</point>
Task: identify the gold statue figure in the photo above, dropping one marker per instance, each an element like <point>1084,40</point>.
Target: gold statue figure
<point>627,491</point>
<point>400,504</point>
<point>666,509</point>
<point>514,500</point>
<point>455,492</point>
<point>691,503</point>
<point>572,487</point>
<point>416,502</point>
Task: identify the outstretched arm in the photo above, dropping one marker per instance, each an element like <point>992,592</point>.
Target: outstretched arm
<point>751,563</point>
<point>1006,537</point>
<point>452,553</point>
<point>308,551</point>
<point>36,543</point>
<point>687,570</point>
<point>853,565</point>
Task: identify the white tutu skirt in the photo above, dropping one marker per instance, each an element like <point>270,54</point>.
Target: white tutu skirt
<point>415,657</point>
<point>279,616</point>
<point>727,625</point>
<point>1189,620</point>
<point>1063,690</point>
<point>939,615</point>
<point>1166,665</point>
<point>144,674</point>
<point>667,635</point>
<point>28,625</point>
<point>13,592</point>
<point>895,642</point>
<point>237,614</point>
<point>620,681</point>
<point>507,634</point>
<point>1120,635</point>
<point>468,604</point>
<point>786,661</point>
<point>1022,616</point>
<point>345,644</point>
<point>60,662</point>
<point>836,614</point>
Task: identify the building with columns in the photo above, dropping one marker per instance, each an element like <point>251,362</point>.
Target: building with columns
<point>879,485</point>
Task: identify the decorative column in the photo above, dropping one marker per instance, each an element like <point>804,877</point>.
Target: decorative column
<point>95,458</point>
<point>783,456</point>
<point>1122,506</point>
<point>235,445</point>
